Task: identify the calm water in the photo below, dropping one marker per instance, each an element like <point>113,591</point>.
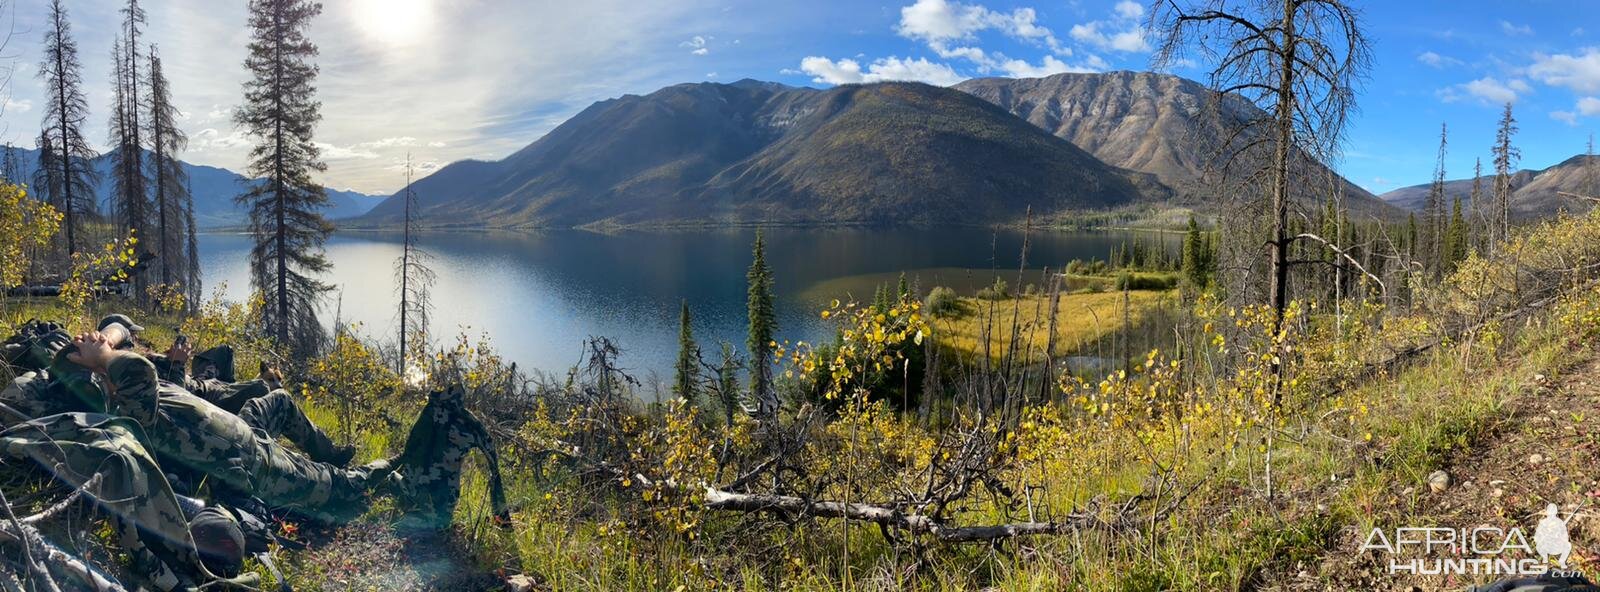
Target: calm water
<point>539,295</point>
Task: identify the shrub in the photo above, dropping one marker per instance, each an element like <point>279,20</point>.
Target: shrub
<point>999,291</point>
<point>942,302</point>
<point>1136,281</point>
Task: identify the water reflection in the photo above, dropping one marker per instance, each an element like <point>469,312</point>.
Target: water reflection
<point>539,295</point>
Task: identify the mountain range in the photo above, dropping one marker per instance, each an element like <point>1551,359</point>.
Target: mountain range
<point>757,151</point>
<point>1168,126</point>
<point>984,151</point>
<point>213,190</point>
<point>1534,193</point>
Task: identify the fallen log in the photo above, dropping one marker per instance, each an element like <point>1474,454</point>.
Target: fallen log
<point>716,499</point>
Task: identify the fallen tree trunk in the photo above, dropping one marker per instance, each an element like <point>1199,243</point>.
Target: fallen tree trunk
<point>716,499</point>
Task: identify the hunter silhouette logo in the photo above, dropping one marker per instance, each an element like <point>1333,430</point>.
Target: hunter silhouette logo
<point>1550,537</point>
<point>1439,550</point>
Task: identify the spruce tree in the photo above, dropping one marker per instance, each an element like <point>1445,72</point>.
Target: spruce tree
<point>130,192</point>
<point>64,176</point>
<point>1411,236</point>
<point>169,181</point>
<point>763,326</point>
<point>285,204</point>
<point>10,167</point>
<point>686,380</point>
<point>1194,247</point>
<point>1505,160</point>
<point>728,383</point>
<point>1455,237</point>
<point>192,249</point>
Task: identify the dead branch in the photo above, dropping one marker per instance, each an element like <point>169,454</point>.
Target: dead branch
<point>1345,255</point>
<point>716,499</point>
<point>1589,198</point>
<point>29,538</point>
<point>64,504</point>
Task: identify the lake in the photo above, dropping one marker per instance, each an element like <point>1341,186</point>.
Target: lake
<point>539,295</point>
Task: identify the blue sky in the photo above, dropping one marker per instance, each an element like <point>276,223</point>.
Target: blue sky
<point>450,79</point>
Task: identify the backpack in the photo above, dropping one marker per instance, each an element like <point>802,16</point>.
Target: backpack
<point>34,346</point>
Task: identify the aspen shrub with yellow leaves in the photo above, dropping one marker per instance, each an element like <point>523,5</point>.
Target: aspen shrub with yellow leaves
<point>111,264</point>
<point>27,226</point>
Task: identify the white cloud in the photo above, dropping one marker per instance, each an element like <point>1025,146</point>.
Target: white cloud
<point>420,169</point>
<point>1488,90</point>
<point>1049,66</point>
<point>209,140</point>
<point>939,23</point>
<point>1437,61</point>
<point>698,45</point>
<point>436,144</point>
<point>1589,106</point>
<point>331,152</point>
<point>1577,72</point>
<point>848,71</point>
<point>1131,40</point>
<point>1129,9</point>
<point>390,142</point>
<point>1123,32</point>
<point>1511,29</point>
<point>14,106</point>
<point>1566,117</point>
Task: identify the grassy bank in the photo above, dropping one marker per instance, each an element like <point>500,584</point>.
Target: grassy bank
<point>1084,322</point>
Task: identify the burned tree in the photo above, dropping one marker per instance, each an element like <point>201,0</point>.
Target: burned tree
<point>1299,62</point>
<point>64,176</point>
<point>1505,161</point>
<point>169,182</point>
<point>414,276</point>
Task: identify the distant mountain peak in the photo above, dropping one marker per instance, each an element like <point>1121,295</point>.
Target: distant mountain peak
<point>1152,122</point>
<point>1535,193</point>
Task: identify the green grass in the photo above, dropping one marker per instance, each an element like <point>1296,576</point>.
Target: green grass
<point>1082,319</point>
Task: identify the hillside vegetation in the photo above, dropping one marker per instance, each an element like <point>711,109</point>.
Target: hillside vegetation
<point>761,152</point>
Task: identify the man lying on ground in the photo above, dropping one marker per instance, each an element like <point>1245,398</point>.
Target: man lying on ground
<point>242,462</point>
<point>244,458</point>
<point>272,411</point>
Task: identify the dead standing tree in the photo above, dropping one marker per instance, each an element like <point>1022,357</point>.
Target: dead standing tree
<point>415,278</point>
<point>1299,63</point>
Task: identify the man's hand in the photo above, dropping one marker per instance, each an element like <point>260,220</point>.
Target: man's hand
<point>180,352</point>
<point>94,351</point>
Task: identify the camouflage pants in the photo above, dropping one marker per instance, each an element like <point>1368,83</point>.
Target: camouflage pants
<point>277,414</point>
<point>72,447</point>
<point>243,458</point>
<point>230,396</point>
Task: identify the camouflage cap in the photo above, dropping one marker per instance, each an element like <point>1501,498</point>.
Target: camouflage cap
<point>119,318</point>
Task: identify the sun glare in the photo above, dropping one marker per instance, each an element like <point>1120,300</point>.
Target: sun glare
<point>393,22</point>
